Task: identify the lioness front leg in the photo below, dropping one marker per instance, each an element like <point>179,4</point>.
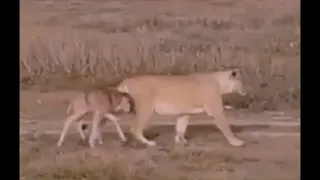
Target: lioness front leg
<point>223,125</point>
<point>144,111</point>
<point>181,127</point>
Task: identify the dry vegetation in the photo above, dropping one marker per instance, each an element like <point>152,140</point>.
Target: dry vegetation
<point>208,157</point>
<point>72,44</point>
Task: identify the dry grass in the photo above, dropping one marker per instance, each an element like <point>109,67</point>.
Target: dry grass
<point>208,156</point>
<point>71,44</point>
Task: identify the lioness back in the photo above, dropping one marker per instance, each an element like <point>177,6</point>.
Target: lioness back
<point>224,81</point>
<point>170,94</point>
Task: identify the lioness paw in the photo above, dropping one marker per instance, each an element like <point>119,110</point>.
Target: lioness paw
<point>151,143</point>
<point>100,142</point>
<point>124,139</point>
<point>180,139</point>
<point>59,144</point>
<point>92,143</point>
<point>236,142</point>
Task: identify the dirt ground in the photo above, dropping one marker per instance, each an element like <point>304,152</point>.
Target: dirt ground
<point>207,156</point>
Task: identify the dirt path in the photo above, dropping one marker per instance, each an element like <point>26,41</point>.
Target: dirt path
<point>269,124</point>
<point>45,113</point>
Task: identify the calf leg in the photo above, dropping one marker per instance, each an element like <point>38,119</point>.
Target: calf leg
<point>181,127</point>
<point>67,124</point>
<point>119,130</point>
<point>97,117</point>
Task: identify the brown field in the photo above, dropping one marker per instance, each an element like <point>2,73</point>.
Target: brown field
<point>207,157</point>
<point>70,45</point>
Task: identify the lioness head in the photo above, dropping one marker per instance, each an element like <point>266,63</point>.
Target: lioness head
<point>231,82</point>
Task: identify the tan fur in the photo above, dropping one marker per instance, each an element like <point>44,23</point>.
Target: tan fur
<point>103,104</point>
<point>182,96</point>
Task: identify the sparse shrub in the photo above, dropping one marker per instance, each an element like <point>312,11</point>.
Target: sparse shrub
<point>71,61</point>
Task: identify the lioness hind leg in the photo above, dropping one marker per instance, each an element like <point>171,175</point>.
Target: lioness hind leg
<point>67,124</point>
<point>181,127</point>
<point>144,111</point>
<point>223,125</point>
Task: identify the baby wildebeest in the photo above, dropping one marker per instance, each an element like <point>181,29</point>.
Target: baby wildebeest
<point>103,103</point>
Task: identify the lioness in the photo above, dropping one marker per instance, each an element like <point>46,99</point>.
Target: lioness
<point>104,103</point>
<point>182,96</point>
